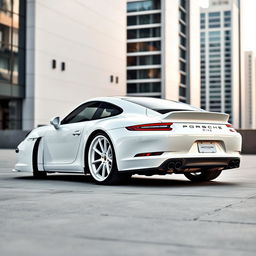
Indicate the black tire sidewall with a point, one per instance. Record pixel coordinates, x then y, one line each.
206 175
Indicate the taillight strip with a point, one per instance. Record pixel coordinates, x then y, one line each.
231 129
151 127
149 154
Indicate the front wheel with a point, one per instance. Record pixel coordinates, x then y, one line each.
205 175
102 161
39 174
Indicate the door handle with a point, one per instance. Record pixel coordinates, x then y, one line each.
76 133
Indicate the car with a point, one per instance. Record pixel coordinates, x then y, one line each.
113 138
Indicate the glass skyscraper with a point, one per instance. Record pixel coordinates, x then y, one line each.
144 47
220 58
158 48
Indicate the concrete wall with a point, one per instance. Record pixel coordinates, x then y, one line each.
90 37
171 42
249 141
249 92
194 49
11 138
170 45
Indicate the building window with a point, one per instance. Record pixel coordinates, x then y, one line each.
227 13
144 5
183 41
182 28
53 64
143 33
153 73
183 66
214 25
144 46
144 87
214 14
144 19
63 66
183 16
143 60
182 91
215 20
214 34
182 53
214 45
183 79
10 114
132 20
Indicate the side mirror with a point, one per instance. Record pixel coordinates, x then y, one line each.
56 122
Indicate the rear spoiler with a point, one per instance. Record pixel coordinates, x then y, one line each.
196 116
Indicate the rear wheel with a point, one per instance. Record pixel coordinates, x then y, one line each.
102 161
205 175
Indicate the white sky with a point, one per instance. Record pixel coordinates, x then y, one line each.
249 23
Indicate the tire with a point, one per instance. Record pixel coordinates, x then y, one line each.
36 173
205 175
101 161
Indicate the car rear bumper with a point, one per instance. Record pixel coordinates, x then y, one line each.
184 165
128 144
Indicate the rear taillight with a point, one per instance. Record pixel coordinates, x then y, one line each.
230 128
151 127
149 154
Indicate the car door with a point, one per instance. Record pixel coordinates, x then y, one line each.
61 145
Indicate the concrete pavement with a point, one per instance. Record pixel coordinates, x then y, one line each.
69 215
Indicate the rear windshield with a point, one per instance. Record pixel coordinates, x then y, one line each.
162 106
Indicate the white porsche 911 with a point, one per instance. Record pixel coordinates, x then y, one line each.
113 138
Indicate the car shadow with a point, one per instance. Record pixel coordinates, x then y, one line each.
136 181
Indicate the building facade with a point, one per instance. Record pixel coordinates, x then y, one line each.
72 51
12 63
160 61
249 92
221 74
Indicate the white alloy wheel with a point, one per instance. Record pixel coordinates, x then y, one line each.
100 158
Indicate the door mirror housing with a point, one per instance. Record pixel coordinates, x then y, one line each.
56 122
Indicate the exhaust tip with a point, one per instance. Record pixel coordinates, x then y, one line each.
231 164
171 165
237 163
234 164
178 164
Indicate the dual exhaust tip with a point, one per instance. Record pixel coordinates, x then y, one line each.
234 164
174 165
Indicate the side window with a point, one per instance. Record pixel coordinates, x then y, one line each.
83 113
107 110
